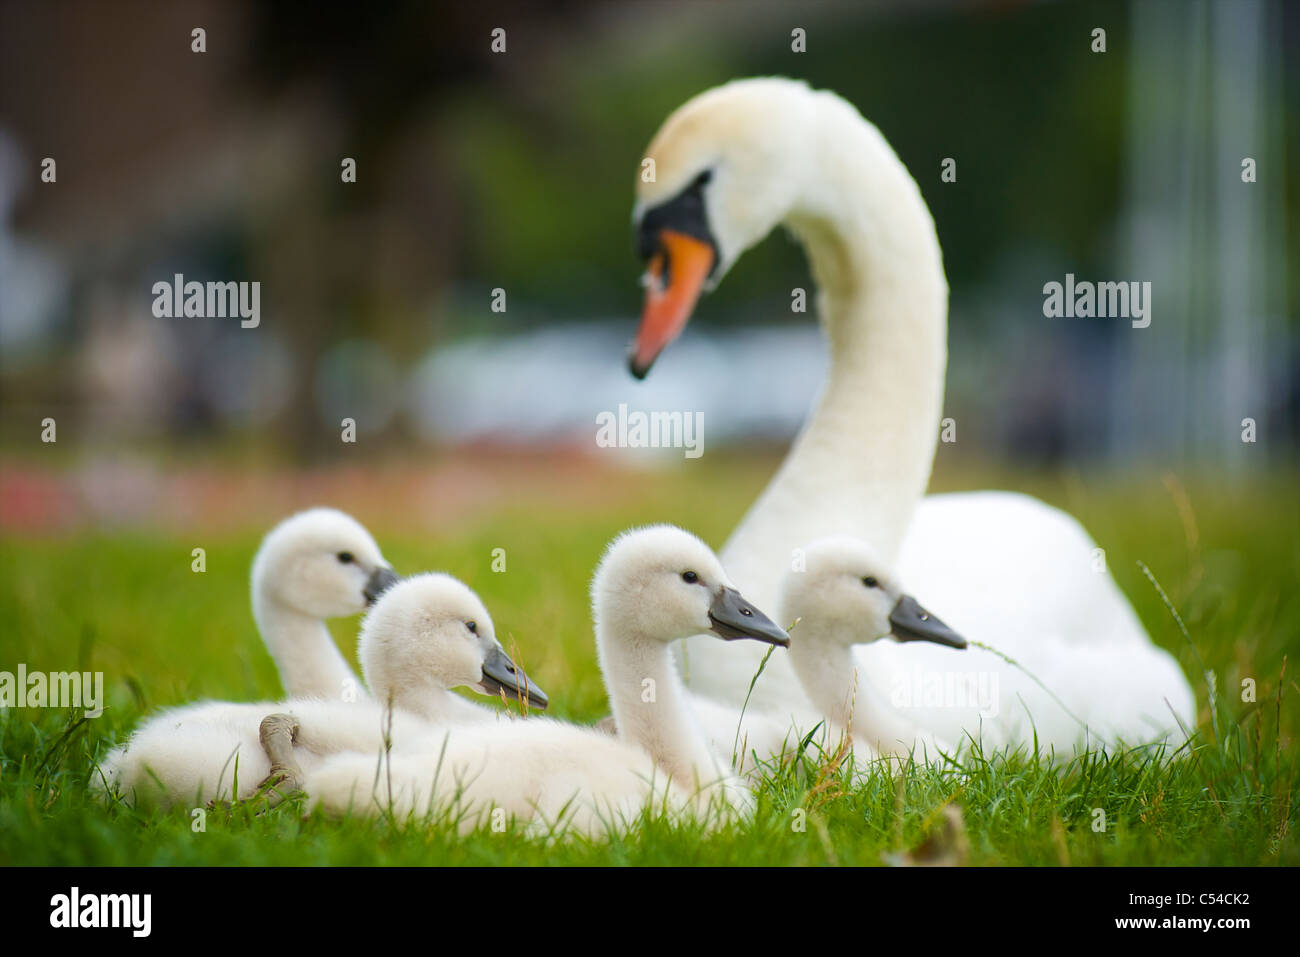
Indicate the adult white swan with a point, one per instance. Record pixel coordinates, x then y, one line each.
730 165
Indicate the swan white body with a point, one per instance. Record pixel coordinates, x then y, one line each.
748 737
556 775
1023 577
775 152
547 774
211 750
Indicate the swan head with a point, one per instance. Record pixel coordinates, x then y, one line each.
664 583
431 632
844 593
322 563
730 164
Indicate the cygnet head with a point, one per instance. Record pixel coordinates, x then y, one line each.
431 632
321 563
662 583
846 595
730 164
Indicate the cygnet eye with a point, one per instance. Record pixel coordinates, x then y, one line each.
690 577
472 626
870 581
346 557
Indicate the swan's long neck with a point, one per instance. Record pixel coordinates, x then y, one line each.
650 708
827 671
863 458
309 662
431 702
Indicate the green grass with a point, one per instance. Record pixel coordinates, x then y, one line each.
128 605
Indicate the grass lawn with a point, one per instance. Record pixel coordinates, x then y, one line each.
126 603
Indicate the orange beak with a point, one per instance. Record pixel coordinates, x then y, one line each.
675 277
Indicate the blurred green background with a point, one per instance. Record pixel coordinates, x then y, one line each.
480 171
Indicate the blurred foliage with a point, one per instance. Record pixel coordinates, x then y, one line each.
480 171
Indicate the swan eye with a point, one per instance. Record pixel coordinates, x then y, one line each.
870 581
690 577
346 557
472 626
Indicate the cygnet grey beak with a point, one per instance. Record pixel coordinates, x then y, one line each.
502 675
732 617
380 580
911 622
